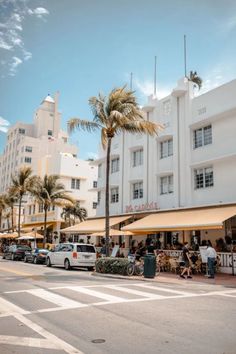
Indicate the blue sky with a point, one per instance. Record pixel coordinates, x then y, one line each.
82 47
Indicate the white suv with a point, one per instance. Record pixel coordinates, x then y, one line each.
72 255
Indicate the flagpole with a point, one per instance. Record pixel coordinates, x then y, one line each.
155 77
131 81
185 57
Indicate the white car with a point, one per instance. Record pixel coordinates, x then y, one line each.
72 255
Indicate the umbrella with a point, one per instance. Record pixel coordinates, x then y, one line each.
30 236
12 235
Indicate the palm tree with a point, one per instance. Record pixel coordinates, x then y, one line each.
119 112
2 208
21 184
49 192
193 76
66 213
10 200
78 212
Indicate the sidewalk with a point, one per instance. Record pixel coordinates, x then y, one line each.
222 279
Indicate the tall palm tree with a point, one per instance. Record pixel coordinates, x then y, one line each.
193 76
22 183
2 208
10 200
119 112
50 192
66 213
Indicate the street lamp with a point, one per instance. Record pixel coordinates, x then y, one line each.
35 234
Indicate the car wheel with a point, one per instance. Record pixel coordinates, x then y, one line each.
48 262
25 259
90 269
35 260
67 264
12 257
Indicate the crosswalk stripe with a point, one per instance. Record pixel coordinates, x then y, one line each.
28 342
55 298
171 291
7 308
95 293
135 292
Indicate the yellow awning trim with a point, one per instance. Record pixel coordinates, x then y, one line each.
194 219
93 225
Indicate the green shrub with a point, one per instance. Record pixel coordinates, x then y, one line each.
112 265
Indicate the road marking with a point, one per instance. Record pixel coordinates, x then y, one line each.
171 291
57 342
134 292
95 293
28 342
7 308
55 299
16 272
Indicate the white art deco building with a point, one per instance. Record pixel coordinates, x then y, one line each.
190 166
44 147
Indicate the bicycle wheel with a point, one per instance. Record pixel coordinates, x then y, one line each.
139 269
130 269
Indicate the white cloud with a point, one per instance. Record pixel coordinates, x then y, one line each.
39 12
146 88
14 64
11 31
4 125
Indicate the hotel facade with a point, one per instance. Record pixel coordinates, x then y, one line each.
44 147
189 167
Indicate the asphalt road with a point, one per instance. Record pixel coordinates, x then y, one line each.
53 311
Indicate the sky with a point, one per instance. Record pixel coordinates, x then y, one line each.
83 47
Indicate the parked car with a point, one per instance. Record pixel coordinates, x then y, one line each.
16 252
37 255
72 255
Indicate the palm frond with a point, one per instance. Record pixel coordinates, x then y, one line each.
86 125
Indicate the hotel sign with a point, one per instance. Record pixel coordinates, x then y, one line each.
141 207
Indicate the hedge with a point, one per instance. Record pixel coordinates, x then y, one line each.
112 265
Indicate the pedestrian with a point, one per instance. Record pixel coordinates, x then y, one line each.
187 262
151 249
211 258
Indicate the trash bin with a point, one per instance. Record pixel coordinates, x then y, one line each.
149 266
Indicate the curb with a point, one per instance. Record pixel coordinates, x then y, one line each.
123 277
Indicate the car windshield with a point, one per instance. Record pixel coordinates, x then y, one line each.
42 250
85 248
24 248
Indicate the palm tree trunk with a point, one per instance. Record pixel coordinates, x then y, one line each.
20 202
12 218
107 195
45 226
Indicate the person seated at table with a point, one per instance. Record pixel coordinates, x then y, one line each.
194 257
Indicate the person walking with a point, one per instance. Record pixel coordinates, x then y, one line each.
211 258
187 262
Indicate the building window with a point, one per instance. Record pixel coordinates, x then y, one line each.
166 184
53 207
137 190
21 131
28 159
166 148
30 210
40 208
49 132
75 183
137 157
28 149
100 170
166 107
95 184
34 209
202 137
95 205
115 195
115 165
99 197
203 178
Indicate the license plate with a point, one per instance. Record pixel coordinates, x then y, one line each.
87 256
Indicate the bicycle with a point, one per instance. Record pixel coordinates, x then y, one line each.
135 267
